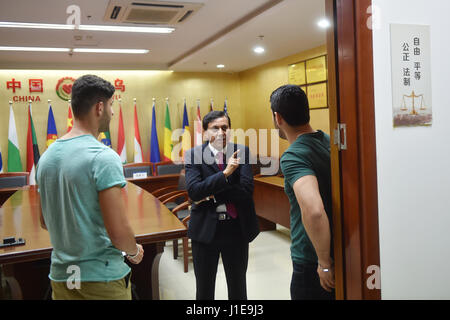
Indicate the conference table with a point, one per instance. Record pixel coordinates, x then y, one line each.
26 267
271 203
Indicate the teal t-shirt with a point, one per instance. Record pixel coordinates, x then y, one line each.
70 175
308 155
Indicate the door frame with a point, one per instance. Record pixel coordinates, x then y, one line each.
354 170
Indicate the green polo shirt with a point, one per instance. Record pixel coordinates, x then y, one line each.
308 155
70 174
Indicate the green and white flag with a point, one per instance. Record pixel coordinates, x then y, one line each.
14 162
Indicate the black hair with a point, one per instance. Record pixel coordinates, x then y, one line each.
87 91
213 115
291 102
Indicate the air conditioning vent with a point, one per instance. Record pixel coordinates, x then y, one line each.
150 12
115 12
158 5
186 15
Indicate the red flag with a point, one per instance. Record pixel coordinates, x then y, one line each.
69 119
198 139
121 147
138 156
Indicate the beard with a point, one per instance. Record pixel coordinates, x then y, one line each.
280 132
104 123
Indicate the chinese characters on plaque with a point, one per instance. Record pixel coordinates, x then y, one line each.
411 75
311 76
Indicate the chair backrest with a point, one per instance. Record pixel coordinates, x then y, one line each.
181 185
266 166
131 168
13 179
168 168
182 180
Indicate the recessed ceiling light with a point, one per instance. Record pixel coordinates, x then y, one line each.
220 66
86 27
259 50
324 23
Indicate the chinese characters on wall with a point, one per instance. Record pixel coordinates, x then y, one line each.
21 92
411 75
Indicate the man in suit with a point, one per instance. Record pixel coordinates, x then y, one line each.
223 220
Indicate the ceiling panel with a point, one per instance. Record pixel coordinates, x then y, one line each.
288 27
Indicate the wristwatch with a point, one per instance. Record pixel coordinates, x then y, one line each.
325 269
137 253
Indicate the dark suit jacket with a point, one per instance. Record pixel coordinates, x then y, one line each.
203 179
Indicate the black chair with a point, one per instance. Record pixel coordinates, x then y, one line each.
180 190
131 168
263 167
13 179
178 202
168 167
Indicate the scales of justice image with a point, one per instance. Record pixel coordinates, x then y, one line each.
414 111
414 98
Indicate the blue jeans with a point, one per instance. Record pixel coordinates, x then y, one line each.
305 284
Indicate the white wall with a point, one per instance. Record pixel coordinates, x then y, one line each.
414 164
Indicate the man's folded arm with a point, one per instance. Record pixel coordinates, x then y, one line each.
199 188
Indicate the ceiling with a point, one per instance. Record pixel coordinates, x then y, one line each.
220 32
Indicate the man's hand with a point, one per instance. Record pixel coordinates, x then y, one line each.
233 164
140 255
326 275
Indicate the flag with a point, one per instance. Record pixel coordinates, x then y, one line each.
211 105
14 162
198 139
168 146
186 137
69 119
1 161
138 158
225 107
52 134
32 149
121 145
105 138
154 145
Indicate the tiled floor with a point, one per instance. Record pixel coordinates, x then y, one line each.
268 276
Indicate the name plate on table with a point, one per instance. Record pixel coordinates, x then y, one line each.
139 175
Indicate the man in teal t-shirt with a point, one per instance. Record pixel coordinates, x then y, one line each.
307 174
79 182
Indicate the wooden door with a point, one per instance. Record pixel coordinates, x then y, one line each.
354 174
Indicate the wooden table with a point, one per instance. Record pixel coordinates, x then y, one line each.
5 193
271 203
154 183
27 266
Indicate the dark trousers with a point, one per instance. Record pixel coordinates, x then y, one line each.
305 284
228 243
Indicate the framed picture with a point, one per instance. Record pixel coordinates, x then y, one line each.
304 88
318 95
297 73
316 70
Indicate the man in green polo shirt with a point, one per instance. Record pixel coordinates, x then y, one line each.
82 206
307 174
